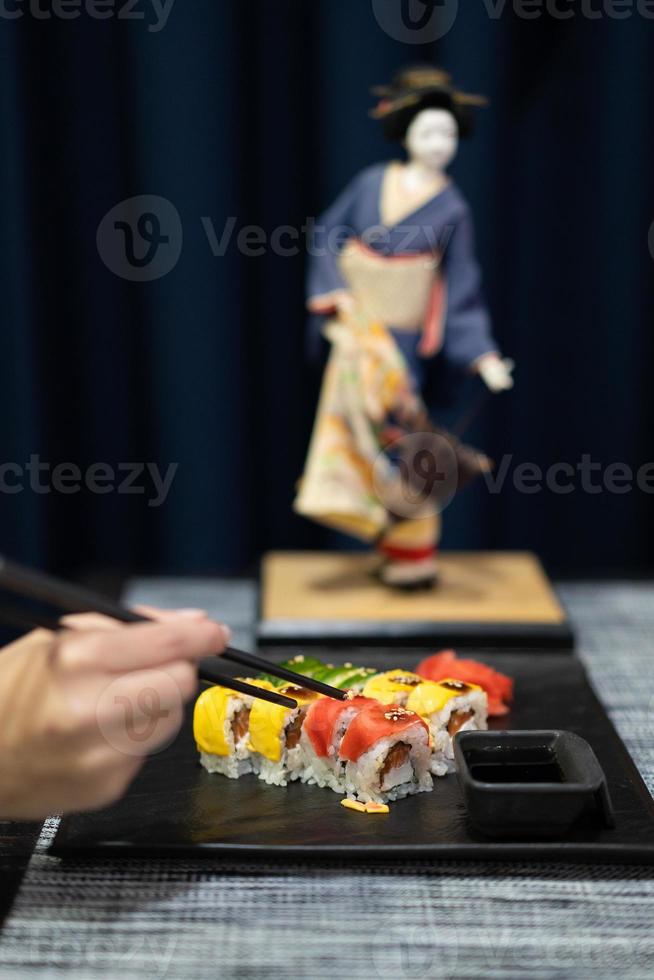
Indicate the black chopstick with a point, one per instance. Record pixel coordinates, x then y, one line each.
258 663
207 673
30 584
28 620
74 599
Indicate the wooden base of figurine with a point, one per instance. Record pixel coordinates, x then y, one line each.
481 599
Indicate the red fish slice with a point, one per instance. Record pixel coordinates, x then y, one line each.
498 687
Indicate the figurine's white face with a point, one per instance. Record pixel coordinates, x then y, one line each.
432 139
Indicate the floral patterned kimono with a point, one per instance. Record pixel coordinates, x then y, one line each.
416 286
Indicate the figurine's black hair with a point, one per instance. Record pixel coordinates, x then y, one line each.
415 89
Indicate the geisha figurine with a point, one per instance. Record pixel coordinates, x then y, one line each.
394 273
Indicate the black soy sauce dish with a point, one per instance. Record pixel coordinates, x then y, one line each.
530 783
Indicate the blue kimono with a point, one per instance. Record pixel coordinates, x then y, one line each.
416 291
440 227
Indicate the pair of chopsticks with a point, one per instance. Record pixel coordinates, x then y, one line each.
31 584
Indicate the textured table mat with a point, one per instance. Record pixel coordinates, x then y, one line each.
180 919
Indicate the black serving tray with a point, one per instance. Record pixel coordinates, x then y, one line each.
175 807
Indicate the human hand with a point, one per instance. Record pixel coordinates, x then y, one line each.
345 303
82 709
92 620
495 372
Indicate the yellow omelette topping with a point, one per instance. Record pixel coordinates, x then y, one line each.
386 687
377 808
210 715
364 807
353 805
432 696
267 722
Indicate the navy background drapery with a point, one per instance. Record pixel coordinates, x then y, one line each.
258 111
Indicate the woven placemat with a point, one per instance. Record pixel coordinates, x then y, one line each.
179 918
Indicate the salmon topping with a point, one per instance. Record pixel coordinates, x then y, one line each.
294 730
240 724
397 756
458 720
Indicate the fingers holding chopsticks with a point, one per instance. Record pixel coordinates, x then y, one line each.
142 645
92 620
82 709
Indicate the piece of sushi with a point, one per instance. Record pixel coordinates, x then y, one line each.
346 677
448 706
498 687
221 723
392 686
274 736
325 725
387 753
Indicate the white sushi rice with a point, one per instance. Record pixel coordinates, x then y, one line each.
327 772
226 765
442 742
238 762
362 778
269 771
289 766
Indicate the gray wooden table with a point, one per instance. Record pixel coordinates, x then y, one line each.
179 919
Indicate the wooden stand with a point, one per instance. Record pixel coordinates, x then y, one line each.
482 599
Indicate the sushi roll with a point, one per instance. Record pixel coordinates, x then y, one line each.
448 707
386 750
392 687
344 676
325 724
274 736
221 722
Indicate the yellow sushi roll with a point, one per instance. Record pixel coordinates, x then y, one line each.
448 706
209 717
221 729
269 722
432 696
392 687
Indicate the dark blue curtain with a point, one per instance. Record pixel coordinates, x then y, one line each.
257 112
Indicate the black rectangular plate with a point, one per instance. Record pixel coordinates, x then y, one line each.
175 807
